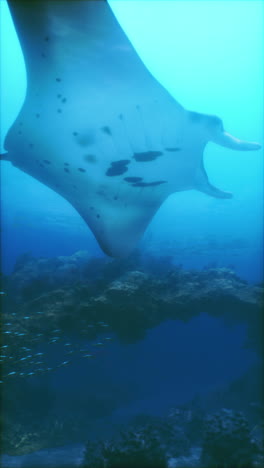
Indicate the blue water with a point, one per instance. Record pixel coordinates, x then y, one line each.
218 69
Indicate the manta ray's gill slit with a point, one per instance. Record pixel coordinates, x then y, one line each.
146 138
125 129
149 184
108 131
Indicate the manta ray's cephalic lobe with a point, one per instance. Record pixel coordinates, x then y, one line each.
97 127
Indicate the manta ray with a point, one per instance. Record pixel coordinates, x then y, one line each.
98 128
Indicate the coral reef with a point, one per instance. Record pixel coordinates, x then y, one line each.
130 295
147 446
227 440
66 301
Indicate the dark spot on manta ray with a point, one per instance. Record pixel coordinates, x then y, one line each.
121 116
66 164
75 133
46 161
64 100
149 184
43 55
59 111
91 207
106 130
173 149
98 216
31 145
90 158
37 116
66 169
115 198
118 167
147 156
85 139
132 179
58 79
81 169
46 38
58 96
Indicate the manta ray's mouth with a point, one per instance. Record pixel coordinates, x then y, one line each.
98 128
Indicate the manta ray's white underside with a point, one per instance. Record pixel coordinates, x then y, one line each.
98 128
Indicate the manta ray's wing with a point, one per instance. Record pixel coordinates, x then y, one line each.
97 127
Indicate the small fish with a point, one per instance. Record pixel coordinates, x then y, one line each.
21 334
4 346
7 332
2 293
30 373
26 318
88 355
64 363
12 373
8 324
39 354
98 344
23 359
67 344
